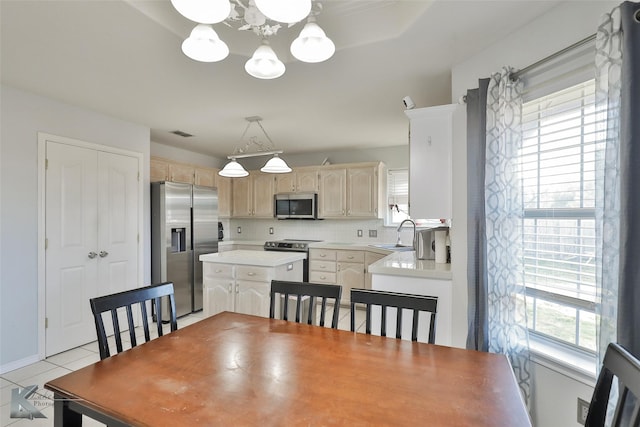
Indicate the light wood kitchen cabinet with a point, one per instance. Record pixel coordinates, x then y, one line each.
158 170
243 288
341 267
225 291
179 172
362 192
332 195
205 177
430 167
300 180
352 191
253 196
224 196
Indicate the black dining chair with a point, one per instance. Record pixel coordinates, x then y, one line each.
621 364
303 291
126 300
400 301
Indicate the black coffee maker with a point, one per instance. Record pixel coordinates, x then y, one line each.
220 231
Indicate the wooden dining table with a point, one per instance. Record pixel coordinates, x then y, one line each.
239 370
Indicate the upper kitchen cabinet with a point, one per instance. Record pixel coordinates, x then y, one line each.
205 177
224 196
158 170
253 196
300 180
351 191
430 170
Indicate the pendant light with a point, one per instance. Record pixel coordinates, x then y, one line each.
287 11
233 169
312 45
276 165
203 11
204 45
264 64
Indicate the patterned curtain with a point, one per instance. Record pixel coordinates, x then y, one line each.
608 84
504 227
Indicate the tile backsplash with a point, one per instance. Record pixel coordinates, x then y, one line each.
327 230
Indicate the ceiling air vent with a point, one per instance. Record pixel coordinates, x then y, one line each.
182 134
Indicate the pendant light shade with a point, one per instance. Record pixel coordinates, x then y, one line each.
312 45
276 165
204 45
233 169
287 11
203 11
264 64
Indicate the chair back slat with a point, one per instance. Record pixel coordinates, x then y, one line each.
109 304
618 363
286 289
417 303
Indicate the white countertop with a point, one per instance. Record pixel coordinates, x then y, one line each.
248 257
406 264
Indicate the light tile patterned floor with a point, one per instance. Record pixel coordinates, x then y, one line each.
55 366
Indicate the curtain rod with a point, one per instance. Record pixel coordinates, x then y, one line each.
516 75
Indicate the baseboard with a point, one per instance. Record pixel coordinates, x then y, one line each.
17 364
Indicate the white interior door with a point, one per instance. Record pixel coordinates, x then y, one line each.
91 223
71 254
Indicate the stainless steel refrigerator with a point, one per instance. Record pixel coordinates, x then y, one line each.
184 225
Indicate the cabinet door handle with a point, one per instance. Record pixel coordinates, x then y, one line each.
323 255
103 254
230 287
92 255
237 289
323 266
251 273
350 257
323 277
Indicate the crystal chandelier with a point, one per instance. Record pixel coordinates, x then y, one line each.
233 169
264 18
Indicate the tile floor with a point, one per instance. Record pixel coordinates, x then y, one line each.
60 364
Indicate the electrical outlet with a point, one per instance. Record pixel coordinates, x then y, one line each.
270 230
239 230
373 233
359 233
583 410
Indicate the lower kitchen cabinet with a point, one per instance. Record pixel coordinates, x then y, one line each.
243 288
341 267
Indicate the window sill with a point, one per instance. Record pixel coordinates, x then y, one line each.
571 363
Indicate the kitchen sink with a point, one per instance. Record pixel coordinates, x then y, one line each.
392 247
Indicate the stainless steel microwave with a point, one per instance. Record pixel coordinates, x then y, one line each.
296 206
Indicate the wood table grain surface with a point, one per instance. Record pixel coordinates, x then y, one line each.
239 370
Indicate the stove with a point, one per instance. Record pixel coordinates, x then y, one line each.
293 245
289 245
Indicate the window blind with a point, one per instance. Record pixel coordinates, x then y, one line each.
397 195
558 173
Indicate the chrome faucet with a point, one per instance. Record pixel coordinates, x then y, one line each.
399 243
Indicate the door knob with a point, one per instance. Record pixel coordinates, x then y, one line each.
103 254
92 255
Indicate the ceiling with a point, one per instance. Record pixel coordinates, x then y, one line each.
123 58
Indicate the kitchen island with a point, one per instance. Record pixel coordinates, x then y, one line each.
403 272
240 280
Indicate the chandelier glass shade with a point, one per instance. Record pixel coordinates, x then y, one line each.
287 11
204 12
312 45
276 165
204 45
262 17
264 64
233 169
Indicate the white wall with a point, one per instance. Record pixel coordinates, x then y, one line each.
555 395
179 155
23 115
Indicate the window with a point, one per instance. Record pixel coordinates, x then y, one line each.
397 196
558 166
